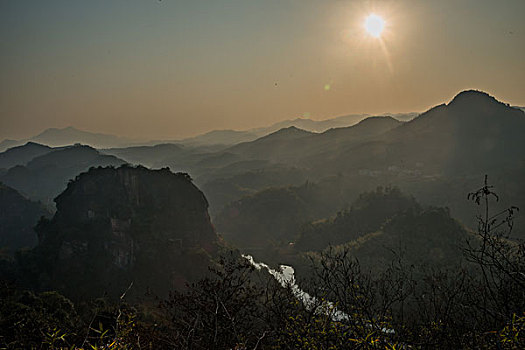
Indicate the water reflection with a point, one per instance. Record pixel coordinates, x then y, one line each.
286 277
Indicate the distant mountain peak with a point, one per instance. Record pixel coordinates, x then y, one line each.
67 128
289 131
374 125
292 129
31 143
378 119
469 97
28 145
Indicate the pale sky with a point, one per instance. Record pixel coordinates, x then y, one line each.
169 69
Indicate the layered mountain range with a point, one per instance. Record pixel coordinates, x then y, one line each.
57 137
438 156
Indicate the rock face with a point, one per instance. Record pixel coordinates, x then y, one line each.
117 226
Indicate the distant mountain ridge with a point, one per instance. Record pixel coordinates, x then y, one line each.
232 137
45 176
293 145
56 137
21 155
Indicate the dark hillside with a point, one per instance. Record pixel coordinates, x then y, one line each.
18 216
367 214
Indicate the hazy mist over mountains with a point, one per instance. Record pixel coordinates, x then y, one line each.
471 135
262 175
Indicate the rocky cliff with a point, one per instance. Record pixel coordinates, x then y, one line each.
114 227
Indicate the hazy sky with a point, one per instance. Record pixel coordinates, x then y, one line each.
166 69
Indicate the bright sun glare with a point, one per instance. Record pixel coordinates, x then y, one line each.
374 25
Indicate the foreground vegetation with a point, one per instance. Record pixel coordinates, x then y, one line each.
239 307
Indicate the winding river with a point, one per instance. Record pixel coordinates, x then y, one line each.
286 277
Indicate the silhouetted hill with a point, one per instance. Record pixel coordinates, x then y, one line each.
474 133
46 176
21 155
421 237
18 216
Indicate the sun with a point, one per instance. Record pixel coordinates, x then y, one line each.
374 25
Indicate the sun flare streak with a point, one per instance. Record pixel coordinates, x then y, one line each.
387 55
